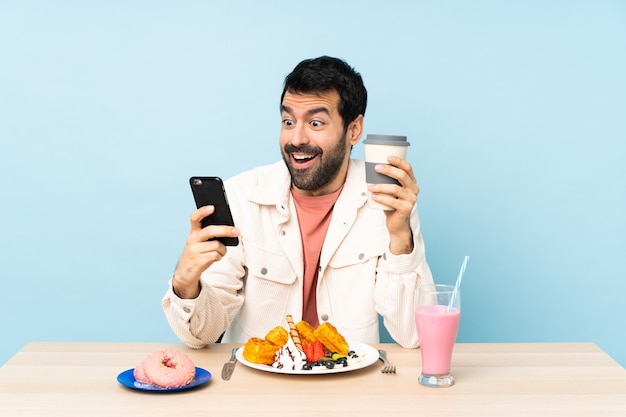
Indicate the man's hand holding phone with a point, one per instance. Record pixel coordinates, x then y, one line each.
212 229
200 252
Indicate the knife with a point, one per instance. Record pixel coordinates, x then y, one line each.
229 367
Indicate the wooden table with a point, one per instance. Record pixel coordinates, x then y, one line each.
79 379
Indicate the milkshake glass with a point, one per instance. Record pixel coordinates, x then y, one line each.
437 325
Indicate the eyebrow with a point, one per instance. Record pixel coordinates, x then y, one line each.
309 113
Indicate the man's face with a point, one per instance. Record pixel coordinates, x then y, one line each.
313 143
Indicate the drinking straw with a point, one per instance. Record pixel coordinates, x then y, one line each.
458 283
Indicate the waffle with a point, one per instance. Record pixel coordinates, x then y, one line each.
278 336
305 330
331 339
258 350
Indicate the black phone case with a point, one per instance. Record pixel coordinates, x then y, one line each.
210 191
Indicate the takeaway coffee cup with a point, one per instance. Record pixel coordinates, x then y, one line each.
377 149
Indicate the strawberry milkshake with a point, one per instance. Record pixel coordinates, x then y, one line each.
437 326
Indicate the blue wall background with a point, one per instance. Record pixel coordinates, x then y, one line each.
515 112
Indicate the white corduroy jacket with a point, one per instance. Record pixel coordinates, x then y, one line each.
251 289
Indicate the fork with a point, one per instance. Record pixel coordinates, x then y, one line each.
387 367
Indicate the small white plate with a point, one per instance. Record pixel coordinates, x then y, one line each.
367 353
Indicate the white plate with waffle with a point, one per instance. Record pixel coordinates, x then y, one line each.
367 356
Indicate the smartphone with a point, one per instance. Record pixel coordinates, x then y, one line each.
210 191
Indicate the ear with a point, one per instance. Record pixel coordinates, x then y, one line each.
355 130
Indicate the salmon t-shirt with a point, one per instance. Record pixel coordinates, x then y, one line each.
314 214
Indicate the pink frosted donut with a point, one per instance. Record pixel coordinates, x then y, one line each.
169 369
140 375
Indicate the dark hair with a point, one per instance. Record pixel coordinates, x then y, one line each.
324 74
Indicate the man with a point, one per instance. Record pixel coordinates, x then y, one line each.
309 246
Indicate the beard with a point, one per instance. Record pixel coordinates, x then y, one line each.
327 169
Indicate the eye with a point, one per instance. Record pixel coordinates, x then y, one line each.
316 123
287 122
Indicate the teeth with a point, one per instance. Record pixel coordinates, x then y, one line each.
302 157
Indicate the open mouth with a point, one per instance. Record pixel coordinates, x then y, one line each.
303 160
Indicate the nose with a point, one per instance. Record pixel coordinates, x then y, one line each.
298 134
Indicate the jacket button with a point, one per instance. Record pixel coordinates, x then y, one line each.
263 271
324 317
187 310
361 256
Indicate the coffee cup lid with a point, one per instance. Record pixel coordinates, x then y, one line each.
386 140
